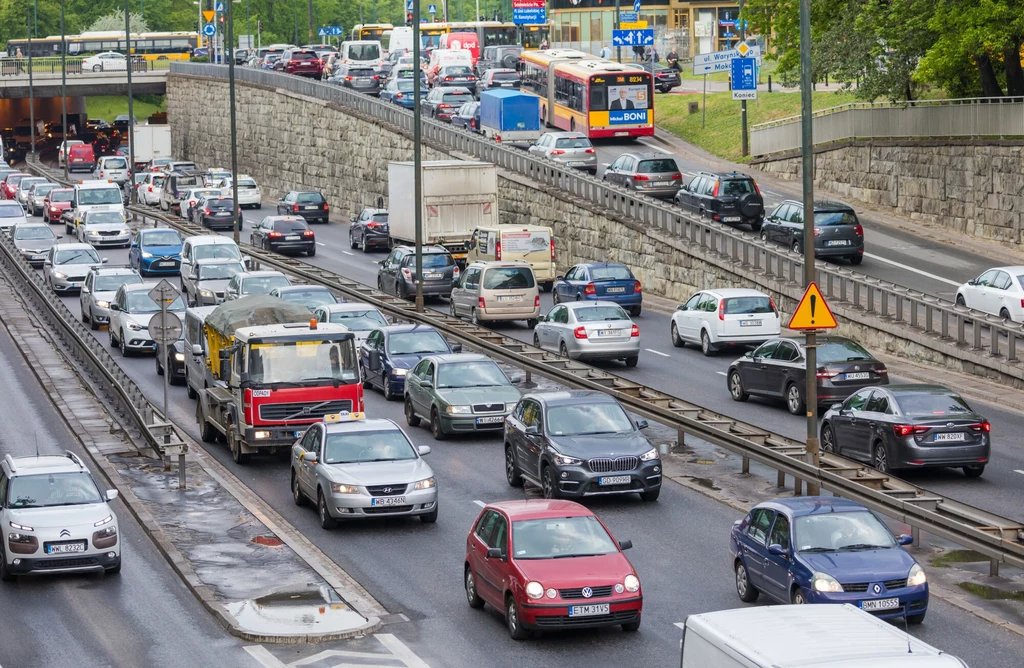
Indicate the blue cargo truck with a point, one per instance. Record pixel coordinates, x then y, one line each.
510 116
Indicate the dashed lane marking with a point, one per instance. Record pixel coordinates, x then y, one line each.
479 502
657 353
656 148
721 373
919 272
348 252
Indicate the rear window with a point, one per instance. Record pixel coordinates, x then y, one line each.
600 314
610 274
842 351
310 198
505 76
299 55
363 52
360 72
246 184
735 305
457 70
287 226
115 163
431 260
660 166
931 403
737 187
185 182
576 142
379 218
835 218
456 98
406 86
158 181
223 203
508 278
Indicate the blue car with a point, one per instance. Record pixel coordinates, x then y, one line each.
826 550
601 281
400 92
389 353
155 252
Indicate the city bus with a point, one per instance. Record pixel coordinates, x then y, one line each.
590 95
150 45
370 31
489 33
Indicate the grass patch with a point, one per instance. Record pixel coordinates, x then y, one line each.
109 107
957 557
721 136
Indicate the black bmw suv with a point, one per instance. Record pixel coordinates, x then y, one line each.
727 197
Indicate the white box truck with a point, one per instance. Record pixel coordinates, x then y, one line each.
151 141
808 636
458 197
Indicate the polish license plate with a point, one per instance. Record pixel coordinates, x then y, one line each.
880 604
490 419
731 219
589 610
750 323
611 290
362 81
575 163
609 332
165 264
506 85
433 275
837 242
858 376
75 285
387 501
65 548
955 436
311 208
297 434
510 298
614 480
292 237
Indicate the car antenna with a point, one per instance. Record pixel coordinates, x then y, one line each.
37 445
906 628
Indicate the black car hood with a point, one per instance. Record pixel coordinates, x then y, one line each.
602 445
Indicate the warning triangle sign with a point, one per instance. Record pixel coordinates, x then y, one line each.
812 312
208 14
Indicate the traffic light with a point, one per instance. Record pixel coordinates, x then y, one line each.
259 26
408 19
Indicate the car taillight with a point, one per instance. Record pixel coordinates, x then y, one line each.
481 303
348 78
274 235
589 150
295 207
825 374
206 211
714 193
376 78
858 230
637 287
455 272
641 177
497 250
817 231
536 301
444 106
149 188
908 429
407 273
981 426
677 176
472 78
589 289
398 95
308 233
558 151
373 226
635 331
553 253
580 332
775 310
721 310
326 206
447 78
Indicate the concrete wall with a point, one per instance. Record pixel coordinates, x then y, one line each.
973 188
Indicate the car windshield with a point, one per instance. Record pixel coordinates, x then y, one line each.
368 446
359 320
33 232
161 238
841 351
928 403
408 343
406 86
11 211
225 251
103 217
735 305
52 489
26 184
59 196
263 284
582 420
363 51
835 218
470 374
310 198
558 538
659 166
456 98
303 362
610 274
508 278
112 282
576 142
215 272
115 163
139 301
76 256
290 226
599 313
93 196
834 532
360 72
310 298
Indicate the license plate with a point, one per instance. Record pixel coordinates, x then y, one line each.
731 219
362 81
65 548
387 501
38 257
292 237
510 298
74 285
880 604
858 376
506 85
165 264
955 436
750 323
837 242
433 275
297 434
492 419
611 290
589 610
308 208
609 332
614 480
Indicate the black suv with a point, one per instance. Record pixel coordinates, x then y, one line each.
837 231
727 197
369 229
494 57
397 273
310 205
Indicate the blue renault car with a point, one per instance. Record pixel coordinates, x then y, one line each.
389 353
601 281
155 252
826 550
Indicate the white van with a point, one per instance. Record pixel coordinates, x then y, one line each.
401 39
364 52
531 243
444 57
93 196
809 636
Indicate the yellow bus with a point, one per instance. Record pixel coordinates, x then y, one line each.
370 31
150 45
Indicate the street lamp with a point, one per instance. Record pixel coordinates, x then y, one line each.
64 90
131 107
31 93
417 166
236 212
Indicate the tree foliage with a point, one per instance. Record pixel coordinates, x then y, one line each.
115 21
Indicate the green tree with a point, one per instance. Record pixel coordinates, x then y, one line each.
115 21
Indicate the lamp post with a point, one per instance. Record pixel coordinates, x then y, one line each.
131 107
417 158
236 212
31 93
64 90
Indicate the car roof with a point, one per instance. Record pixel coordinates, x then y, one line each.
305 192
32 223
135 287
373 210
1014 269
349 306
454 358
374 424
917 388
122 270
570 397
824 205
278 219
35 465
576 306
812 505
398 329
567 135
604 264
725 293
457 90
534 509
426 249
203 261
71 246
504 70
260 274
499 264
823 339
651 156
159 229
300 288
210 239
726 175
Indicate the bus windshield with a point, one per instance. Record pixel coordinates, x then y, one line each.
620 93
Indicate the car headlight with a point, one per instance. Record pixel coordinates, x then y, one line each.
106 520
58 274
146 254
917 576
459 410
102 304
338 488
399 372
429 483
21 527
206 293
134 327
534 589
825 582
179 357
510 407
562 460
631 583
649 456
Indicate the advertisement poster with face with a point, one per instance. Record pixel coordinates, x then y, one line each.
627 104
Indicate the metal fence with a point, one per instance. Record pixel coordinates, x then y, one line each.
982 341
52 65
969 118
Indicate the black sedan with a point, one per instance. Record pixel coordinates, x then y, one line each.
442 102
908 427
289 234
666 78
577 444
214 213
173 359
468 117
369 230
310 205
777 369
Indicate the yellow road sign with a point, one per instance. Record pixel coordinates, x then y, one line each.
208 14
635 25
812 312
743 49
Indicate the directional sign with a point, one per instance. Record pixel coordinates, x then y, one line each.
208 15
337 30
724 56
636 25
710 68
636 6
529 15
323 32
632 37
219 7
627 17
210 29
744 79
431 9
812 312
165 327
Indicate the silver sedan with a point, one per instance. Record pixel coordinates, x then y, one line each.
572 149
589 331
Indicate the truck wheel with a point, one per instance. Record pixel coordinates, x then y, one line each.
241 458
206 430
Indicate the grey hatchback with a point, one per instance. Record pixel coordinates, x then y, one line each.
837 230
652 174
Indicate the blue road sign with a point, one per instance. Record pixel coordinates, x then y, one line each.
408 5
636 6
431 9
323 32
219 7
628 17
337 30
744 78
210 29
632 37
529 15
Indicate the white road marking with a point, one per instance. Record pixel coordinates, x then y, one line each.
773 193
657 353
320 243
479 502
348 252
656 148
916 271
399 649
721 373
1018 471
263 655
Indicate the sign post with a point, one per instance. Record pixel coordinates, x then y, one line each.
165 328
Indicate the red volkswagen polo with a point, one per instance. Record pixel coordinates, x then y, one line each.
550 565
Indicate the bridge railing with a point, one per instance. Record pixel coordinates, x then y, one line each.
52 65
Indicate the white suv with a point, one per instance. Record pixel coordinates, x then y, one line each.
54 518
715 319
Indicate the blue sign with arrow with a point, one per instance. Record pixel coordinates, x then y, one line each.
632 37
636 6
408 5
209 29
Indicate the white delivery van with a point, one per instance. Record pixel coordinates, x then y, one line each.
534 244
401 39
361 52
444 57
808 636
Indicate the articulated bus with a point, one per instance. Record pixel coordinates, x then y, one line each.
370 31
150 45
587 94
489 33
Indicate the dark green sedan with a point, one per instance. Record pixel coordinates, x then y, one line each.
459 393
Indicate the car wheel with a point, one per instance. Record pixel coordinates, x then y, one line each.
124 346
764 235
159 367
311 252
960 301
746 591
677 341
351 241
632 361
547 483
92 322
562 350
651 495
435 426
235 444
297 496
974 471
515 629
554 297
472 597
475 318
536 341
797 597
915 619
828 439
451 308
635 310
856 259
512 473
386 389
1004 314
188 388
326 521
706 346
736 388
795 399
97 68
410 414
206 430
880 459
797 248
362 245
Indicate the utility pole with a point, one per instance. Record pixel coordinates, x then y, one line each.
417 158
131 107
236 211
64 93
31 94
743 103
309 6
618 26
807 154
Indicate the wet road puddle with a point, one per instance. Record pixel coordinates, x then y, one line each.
306 611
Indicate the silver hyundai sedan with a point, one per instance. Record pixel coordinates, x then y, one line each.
589 331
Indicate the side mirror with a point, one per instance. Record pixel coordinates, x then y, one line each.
625 544
532 429
104 260
642 424
197 350
373 360
542 318
515 379
777 550
606 165
381 262
495 553
456 347
111 494
60 236
309 457
905 539
352 219
423 449
973 281
427 383
47 263
836 407
845 412
243 378
115 307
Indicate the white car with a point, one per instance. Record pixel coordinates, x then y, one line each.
215 176
151 188
192 197
104 228
359 318
62 152
11 214
55 518
67 265
130 313
998 291
249 194
113 168
715 319
108 61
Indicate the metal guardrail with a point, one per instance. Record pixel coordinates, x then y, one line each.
967 117
52 65
983 341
